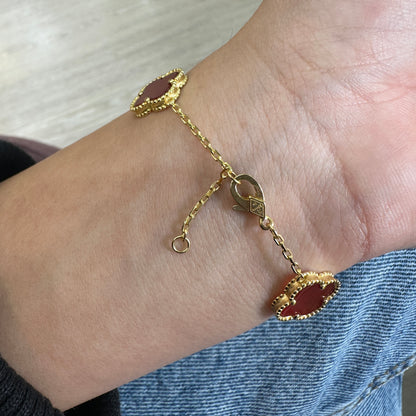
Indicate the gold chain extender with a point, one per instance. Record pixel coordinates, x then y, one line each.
266 222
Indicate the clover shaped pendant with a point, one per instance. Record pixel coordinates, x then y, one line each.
305 296
160 93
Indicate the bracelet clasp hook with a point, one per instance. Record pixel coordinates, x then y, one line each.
252 203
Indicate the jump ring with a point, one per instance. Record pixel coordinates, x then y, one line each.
186 239
266 223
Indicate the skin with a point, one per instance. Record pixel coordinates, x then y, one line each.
320 112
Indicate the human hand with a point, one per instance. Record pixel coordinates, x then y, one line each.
312 101
326 115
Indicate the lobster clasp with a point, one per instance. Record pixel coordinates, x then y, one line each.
252 203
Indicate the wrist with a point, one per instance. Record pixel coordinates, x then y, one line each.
260 126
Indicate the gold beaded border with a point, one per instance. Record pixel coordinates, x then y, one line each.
163 101
296 285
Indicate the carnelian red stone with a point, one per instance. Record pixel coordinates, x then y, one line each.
309 299
156 89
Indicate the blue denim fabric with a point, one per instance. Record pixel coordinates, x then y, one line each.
385 400
347 360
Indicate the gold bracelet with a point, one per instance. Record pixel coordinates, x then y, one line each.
308 292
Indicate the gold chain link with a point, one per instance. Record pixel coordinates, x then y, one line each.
213 188
185 227
267 223
205 142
